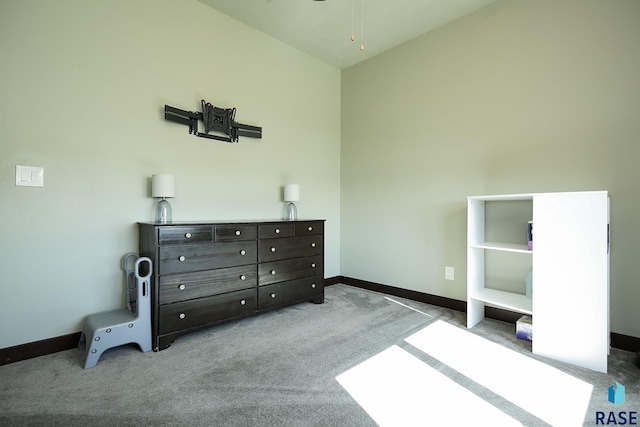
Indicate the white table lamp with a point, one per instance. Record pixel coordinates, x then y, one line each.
291 194
163 186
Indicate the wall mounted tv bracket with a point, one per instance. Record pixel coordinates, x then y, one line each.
221 120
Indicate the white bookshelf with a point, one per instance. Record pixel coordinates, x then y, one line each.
569 262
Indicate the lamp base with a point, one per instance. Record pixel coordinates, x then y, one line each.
290 212
163 212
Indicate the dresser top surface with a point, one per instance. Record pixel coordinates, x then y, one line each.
235 221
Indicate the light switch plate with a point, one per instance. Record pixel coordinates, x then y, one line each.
29 176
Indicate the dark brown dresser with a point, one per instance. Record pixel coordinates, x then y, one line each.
205 273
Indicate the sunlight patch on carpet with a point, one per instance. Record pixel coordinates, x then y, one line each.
410 308
546 392
397 389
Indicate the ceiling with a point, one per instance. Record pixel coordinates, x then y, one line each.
323 28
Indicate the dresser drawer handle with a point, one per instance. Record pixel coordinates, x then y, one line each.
273 272
182 316
182 287
243 277
310 228
188 235
238 232
243 252
277 231
313 245
181 258
313 265
243 302
273 249
273 295
313 285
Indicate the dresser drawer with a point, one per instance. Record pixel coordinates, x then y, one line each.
290 247
188 258
186 286
286 292
181 235
230 233
289 269
306 228
190 314
268 231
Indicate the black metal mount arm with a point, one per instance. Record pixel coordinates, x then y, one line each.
215 119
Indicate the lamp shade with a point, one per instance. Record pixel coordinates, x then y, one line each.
291 193
163 185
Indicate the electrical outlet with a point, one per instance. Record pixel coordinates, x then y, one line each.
449 273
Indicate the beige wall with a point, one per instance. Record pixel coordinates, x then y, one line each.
83 85
517 97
